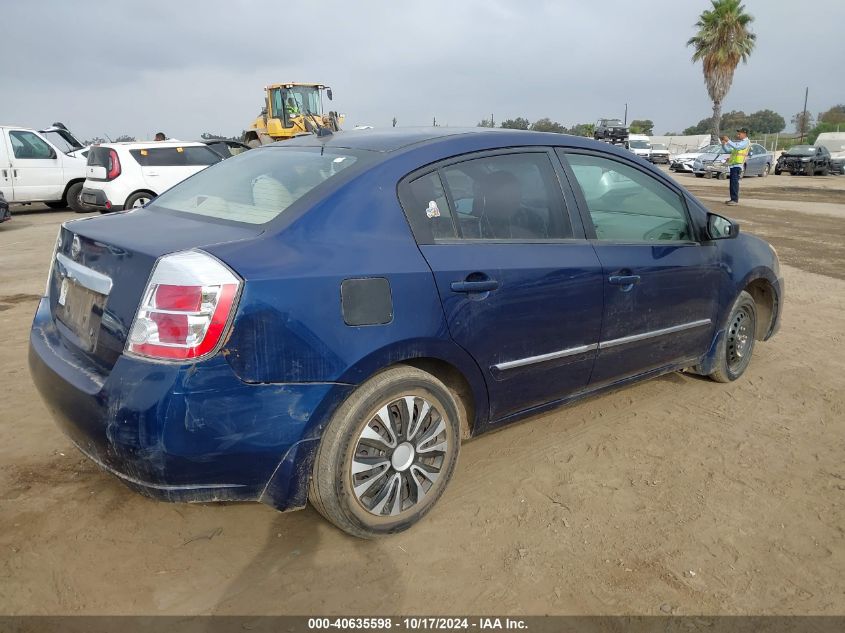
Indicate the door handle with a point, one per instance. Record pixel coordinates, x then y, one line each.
624 280
5 173
15 173
485 285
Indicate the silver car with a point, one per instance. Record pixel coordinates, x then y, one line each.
684 162
715 165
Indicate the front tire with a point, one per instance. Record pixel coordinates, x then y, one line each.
766 170
387 453
737 346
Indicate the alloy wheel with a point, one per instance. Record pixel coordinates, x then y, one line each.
399 455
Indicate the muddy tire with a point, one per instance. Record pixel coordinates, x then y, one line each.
737 345
387 454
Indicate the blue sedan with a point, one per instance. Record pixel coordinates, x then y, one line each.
327 319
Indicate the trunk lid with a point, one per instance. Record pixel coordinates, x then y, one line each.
102 266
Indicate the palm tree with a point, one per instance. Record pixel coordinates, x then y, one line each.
723 39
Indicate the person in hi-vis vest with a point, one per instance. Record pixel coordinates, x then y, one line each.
739 152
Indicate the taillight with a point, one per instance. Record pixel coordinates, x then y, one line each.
185 308
114 166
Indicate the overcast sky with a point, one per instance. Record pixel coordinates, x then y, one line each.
193 66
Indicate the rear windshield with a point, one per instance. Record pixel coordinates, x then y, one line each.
639 144
256 186
174 156
98 157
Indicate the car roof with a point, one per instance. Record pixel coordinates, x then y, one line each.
150 144
393 139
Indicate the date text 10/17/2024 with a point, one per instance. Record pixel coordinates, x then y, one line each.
417 623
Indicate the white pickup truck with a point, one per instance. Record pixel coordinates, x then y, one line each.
32 169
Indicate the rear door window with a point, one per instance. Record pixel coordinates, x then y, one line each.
507 197
513 197
175 156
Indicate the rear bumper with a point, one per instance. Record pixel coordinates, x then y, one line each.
97 199
183 433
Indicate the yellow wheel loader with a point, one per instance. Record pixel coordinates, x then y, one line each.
290 110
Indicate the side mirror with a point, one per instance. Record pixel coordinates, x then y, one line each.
719 228
329 94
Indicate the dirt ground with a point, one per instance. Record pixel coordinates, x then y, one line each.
676 495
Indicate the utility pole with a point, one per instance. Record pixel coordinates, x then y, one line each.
626 114
434 122
804 116
492 124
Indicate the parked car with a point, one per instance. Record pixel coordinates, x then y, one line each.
804 159
640 145
612 130
835 144
32 169
5 214
226 147
129 175
715 165
684 162
320 320
659 154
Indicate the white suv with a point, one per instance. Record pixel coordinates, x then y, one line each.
33 169
129 175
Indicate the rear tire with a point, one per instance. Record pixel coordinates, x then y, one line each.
74 198
137 200
777 171
369 475
737 345
766 170
699 175
825 171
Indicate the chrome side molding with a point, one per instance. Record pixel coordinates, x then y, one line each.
572 351
654 333
583 349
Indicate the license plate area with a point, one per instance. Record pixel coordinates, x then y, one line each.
81 310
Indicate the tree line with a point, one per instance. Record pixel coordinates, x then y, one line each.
638 126
770 122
